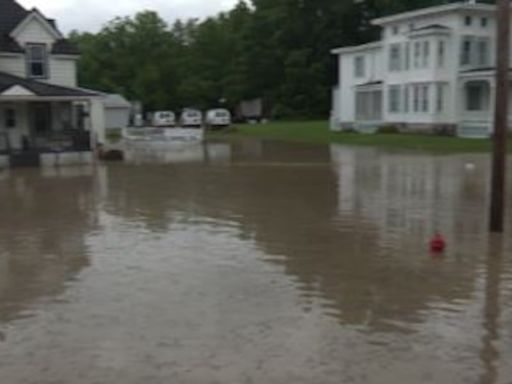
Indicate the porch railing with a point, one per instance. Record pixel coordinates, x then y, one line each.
62 141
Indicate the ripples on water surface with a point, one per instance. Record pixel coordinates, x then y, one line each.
254 263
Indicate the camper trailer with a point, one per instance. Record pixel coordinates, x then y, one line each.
191 118
163 119
218 118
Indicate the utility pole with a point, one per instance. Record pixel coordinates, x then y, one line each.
500 117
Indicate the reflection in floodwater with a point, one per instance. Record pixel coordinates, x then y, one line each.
44 217
254 262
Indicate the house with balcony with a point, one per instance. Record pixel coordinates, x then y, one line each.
44 116
433 70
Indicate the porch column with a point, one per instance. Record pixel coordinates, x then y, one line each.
97 122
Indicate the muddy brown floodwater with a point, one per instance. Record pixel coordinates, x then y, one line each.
254 262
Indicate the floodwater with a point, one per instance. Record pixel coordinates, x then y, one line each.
254 262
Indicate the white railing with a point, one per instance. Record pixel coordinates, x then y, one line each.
163 134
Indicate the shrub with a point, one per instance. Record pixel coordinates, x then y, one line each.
388 129
114 135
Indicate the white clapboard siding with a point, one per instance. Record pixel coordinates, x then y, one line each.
35 32
13 65
63 72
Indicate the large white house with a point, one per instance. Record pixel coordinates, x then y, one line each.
432 70
44 116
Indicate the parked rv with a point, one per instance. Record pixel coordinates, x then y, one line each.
191 118
163 119
218 118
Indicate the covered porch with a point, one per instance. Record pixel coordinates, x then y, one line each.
368 107
38 119
476 95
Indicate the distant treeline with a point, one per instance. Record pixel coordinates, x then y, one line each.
274 49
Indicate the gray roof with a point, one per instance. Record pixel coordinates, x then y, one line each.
41 89
11 14
114 100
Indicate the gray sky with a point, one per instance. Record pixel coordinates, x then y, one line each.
90 15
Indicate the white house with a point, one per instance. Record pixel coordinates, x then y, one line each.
432 70
44 116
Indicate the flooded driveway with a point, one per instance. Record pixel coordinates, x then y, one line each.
254 262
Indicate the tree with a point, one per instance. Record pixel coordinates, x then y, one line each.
274 49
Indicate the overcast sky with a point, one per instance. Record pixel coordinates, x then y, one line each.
90 15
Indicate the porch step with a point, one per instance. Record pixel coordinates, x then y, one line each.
366 127
25 159
474 130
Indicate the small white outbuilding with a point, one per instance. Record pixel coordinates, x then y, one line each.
117 111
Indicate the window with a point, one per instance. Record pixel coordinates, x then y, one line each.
406 99
37 61
468 20
440 98
416 98
421 100
395 30
407 56
475 51
484 22
10 118
395 57
411 27
394 99
426 54
483 52
441 54
369 105
359 66
477 96
465 58
425 98
417 54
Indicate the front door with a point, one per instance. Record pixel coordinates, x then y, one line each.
41 119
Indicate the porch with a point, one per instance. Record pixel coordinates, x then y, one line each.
40 121
476 104
368 107
30 129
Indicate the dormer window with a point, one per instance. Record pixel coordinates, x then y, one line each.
37 61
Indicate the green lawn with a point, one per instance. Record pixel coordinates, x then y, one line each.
317 132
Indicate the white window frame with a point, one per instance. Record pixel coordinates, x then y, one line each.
441 53
359 66
426 54
466 51
440 97
483 55
417 54
421 98
407 56
425 102
395 57
30 61
10 117
394 98
405 97
480 104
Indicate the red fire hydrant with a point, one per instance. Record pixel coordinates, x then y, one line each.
438 243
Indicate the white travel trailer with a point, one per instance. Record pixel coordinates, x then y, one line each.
191 118
218 118
163 119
